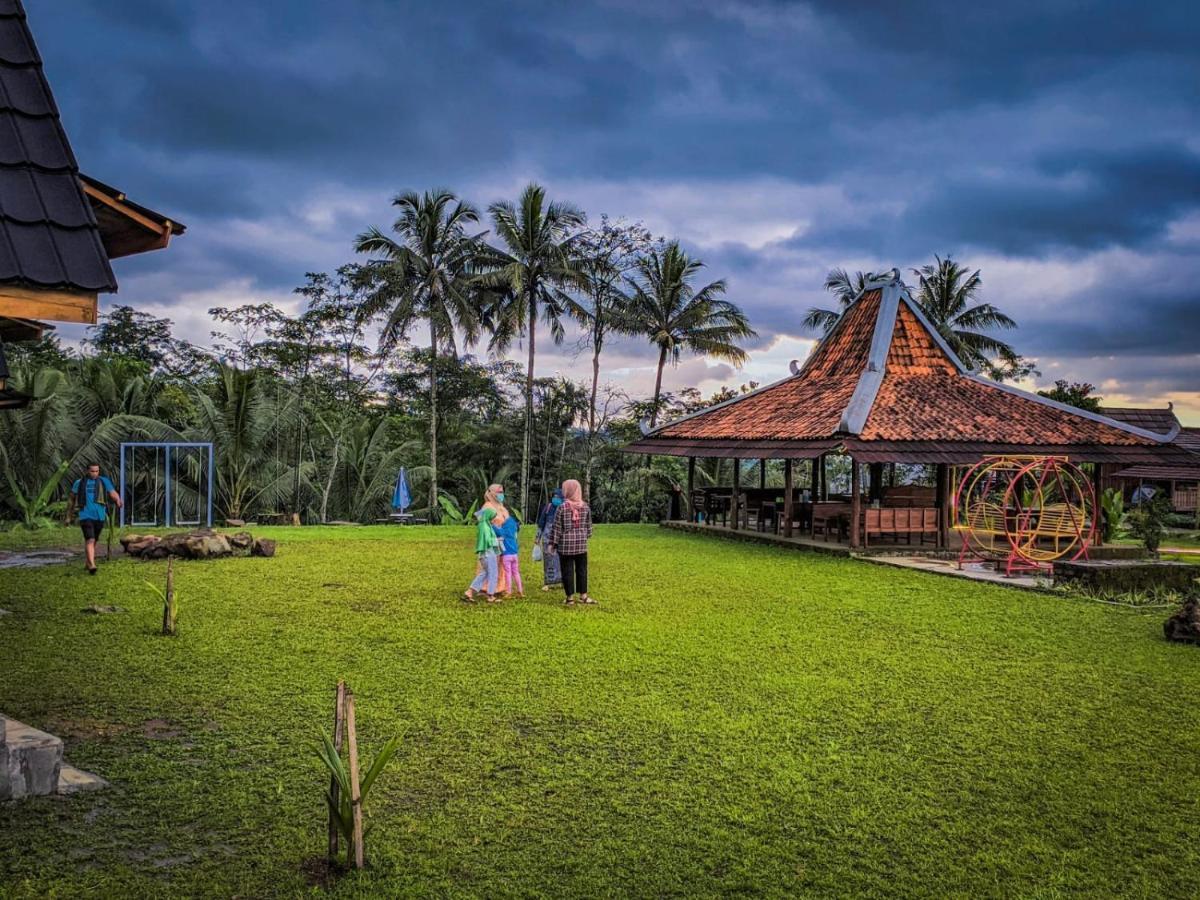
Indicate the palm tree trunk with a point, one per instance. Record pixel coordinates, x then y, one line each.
433 422
528 444
662 361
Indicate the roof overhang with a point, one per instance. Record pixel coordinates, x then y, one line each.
126 227
16 329
58 306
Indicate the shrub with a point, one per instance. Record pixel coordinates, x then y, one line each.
1147 520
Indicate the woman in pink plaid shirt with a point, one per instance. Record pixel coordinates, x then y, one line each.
569 539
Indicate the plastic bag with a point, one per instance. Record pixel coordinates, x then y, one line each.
537 552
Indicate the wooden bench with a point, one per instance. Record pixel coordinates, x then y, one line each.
908 521
1059 522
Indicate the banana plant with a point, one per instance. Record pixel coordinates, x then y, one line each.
37 511
452 514
1112 502
341 809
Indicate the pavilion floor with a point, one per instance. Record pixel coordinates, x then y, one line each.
936 561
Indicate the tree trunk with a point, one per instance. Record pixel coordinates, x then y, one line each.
591 448
528 443
662 361
433 420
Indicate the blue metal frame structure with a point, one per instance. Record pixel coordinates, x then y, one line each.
168 446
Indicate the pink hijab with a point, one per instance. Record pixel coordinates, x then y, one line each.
573 499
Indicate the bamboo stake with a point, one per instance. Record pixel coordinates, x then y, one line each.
169 601
355 795
339 724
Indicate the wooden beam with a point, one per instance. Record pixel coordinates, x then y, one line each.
876 485
129 212
737 490
787 498
762 474
942 478
855 503
691 489
1098 512
49 305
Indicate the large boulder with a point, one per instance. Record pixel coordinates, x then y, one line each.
263 547
1184 626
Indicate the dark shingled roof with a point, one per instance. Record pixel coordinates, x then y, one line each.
1160 420
48 234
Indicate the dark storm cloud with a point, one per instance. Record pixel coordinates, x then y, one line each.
1042 130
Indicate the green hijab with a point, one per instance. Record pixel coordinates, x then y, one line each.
485 537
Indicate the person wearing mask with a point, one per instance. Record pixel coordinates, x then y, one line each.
551 571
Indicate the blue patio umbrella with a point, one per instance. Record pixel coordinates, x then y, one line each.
401 496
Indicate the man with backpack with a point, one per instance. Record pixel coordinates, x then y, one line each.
90 496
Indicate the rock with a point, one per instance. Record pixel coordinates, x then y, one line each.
102 610
206 546
243 540
140 544
236 523
127 539
75 781
263 547
1184 626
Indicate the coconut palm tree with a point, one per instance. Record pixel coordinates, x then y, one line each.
676 316
529 274
425 272
843 287
947 295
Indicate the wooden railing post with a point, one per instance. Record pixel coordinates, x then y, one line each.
787 498
737 491
691 489
855 503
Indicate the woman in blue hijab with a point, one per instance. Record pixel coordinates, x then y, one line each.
551 573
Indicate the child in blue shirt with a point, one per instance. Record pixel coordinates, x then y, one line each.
510 555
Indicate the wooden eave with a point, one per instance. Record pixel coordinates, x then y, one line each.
127 228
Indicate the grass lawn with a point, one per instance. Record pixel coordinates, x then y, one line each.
731 719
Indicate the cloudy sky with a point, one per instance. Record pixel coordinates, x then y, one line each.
1054 144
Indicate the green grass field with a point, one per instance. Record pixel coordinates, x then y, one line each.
731 720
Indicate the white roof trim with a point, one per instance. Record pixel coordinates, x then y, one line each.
1076 411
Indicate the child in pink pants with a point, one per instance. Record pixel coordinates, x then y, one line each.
510 555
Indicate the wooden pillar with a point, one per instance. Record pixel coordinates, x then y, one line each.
855 503
737 490
942 476
762 474
1098 512
876 487
691 489
824 477
787 498
814 482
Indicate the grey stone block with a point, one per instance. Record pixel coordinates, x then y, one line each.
34 761
73 781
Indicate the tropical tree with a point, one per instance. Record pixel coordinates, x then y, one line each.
606 255
669 310
530 274
244 418
844 288
948 296
425 273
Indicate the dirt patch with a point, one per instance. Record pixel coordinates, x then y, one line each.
331 585
160 730
84 728
34 559
319 871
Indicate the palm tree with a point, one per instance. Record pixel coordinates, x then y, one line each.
426 273
839 283
675 316
529 274
947 297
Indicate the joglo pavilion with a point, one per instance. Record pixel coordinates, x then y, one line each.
883 389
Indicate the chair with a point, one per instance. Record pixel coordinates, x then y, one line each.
716 505
768 513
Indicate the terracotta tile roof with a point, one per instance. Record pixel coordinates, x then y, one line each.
901 389
48 234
